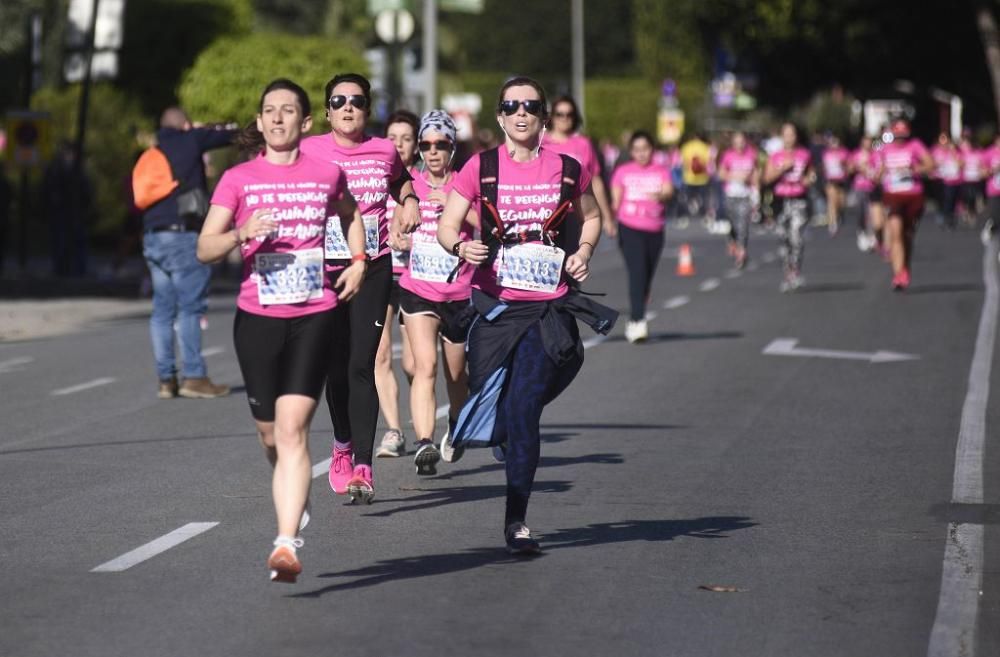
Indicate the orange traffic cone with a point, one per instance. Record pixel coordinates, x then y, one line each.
685 266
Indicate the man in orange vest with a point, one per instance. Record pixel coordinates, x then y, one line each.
169 242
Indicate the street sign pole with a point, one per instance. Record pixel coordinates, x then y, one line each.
577 20
430 55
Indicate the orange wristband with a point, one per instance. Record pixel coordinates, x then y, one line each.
361 257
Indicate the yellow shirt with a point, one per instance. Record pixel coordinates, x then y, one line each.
695 156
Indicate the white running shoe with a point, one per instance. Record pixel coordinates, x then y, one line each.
393 444
637 331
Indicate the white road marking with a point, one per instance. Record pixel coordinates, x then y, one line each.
212 351
594 341
14 364
676 302
322 467
96 383
709 284
954 630
733 273
155 547
786 347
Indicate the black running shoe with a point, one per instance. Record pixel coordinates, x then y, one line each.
426 458
520 543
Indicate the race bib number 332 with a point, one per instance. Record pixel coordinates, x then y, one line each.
292 277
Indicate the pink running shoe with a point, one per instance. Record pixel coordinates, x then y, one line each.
901 281
341 468
360 487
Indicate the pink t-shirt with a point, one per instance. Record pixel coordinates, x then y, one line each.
370 167
579 148
973 165
301 194
992 164
639 186
791 183
527 195
865 163
835 164
947 165
430 264
900 161
738 166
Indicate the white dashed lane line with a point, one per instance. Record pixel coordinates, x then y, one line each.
80 387
676 302
154 547
15 364
709 284
212 351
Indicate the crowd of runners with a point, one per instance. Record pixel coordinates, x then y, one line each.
345 234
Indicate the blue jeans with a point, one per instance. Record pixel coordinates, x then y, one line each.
180 292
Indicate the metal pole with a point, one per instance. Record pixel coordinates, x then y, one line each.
81 117
576 12
430 54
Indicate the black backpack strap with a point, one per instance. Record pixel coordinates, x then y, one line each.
491 226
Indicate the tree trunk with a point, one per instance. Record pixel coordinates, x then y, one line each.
991 46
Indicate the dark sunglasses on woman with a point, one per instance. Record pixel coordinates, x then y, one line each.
338 101
441 145
509 107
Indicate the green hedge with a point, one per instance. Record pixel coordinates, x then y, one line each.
226 80
613 105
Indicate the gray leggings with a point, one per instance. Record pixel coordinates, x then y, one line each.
738 210
791 224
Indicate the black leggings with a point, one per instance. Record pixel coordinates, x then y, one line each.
642 254
281 356
350 383
533 381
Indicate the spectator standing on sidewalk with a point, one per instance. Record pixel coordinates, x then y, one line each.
169 242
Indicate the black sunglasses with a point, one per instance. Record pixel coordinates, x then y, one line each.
564 115
441 145
509 107
338 101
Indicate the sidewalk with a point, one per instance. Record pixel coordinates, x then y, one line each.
35 304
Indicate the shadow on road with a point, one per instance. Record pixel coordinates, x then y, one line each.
671 337
944 288
545 462
809 288
434 497
137 441
429 565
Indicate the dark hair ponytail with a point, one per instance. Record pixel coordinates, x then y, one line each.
250 140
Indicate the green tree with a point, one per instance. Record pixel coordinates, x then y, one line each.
115 118
163 38
226 80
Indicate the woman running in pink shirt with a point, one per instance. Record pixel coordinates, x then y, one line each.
273 208
904 161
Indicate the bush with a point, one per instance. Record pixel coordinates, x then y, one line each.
113 121
226 80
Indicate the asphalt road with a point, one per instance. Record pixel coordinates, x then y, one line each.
809 492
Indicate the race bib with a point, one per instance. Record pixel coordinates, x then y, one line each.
335 244
371 235
400 259
949 170
292 277
737 189
900 181
531 267
430 262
